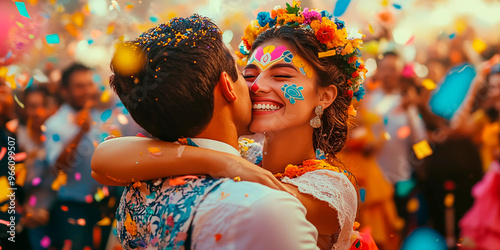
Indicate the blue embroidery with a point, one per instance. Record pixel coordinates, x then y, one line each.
292 92
162 213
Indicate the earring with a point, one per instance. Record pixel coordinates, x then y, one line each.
316 121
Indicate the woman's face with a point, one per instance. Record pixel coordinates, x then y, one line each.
282 88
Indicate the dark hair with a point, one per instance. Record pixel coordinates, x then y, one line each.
332 135
24 96
172 94
68 72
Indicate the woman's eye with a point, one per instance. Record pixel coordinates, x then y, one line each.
249 76
282 76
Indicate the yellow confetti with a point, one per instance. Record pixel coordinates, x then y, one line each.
78 18
12 81
429 84
105 96
18 102
460 26
3 72
99 195
104 222
387 136
449 200
60 180
370 28
20 174
384 2
111 28
122 119
422 149
412 205
154 150
479 45
4 185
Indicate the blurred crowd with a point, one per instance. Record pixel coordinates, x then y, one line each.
424 146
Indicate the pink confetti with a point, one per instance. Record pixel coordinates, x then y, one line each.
36 181
20 156
105 191
45 242
32 200
78 176
89 198
2 153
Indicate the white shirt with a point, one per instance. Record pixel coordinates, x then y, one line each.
246 215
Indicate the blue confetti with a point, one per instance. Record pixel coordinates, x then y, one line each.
341 7
21 7
153 19
29 83
362 194
90 42
52 38
397 6
8 55
424 238
106 115
55 137
404 188
452 35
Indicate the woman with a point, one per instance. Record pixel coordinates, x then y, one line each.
302 72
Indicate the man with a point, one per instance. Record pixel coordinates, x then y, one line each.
71 134
189 87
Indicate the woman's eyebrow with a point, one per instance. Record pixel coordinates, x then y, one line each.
283 65
251 66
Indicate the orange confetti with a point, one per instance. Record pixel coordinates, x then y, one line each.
246 195
81 222
223 196
217 237
104 222
449 200
404 132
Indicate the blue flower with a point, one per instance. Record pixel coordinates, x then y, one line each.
265 18
325 13
340 23
360 93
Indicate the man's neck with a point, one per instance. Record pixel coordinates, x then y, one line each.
223 130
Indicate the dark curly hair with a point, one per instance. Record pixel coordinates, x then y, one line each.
332 135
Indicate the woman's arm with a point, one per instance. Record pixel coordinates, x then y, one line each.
123 160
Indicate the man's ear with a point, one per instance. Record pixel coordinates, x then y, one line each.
327 95
226 86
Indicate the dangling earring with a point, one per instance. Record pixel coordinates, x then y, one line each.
316 121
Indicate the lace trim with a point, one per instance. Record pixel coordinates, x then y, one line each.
335 189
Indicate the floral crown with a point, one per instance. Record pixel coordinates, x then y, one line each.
330 33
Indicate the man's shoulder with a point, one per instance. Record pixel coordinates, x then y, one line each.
59 118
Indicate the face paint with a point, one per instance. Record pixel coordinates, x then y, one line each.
303 66
266 57
254 87
292 92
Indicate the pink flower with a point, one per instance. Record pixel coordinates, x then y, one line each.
310 15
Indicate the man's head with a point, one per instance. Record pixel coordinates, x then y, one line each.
172 93
389 70
77 85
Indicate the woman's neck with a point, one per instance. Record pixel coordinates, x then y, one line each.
290 146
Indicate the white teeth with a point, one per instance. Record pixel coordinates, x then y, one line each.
265 107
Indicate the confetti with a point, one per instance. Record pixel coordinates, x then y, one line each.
32 200
36 181
99 195
88 198
78 176
4 189
223 196
479 45
397 6
2 152
20 156
237 179
81 222
154 151
104 222
370 28
106 115
452 35
52 38
105 96
341 7
218 237
449 200
422 149
45 242
60 180
412 205
404 132
153 19
429 84
64 208
122 119
18 102
56 137
21 7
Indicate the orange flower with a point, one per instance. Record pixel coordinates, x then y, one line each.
325 34
277 12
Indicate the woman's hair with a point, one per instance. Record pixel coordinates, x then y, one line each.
332 135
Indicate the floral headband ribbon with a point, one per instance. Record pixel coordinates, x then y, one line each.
330 33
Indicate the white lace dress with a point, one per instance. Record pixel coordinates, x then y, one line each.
325 185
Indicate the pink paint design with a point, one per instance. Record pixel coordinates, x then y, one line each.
268 55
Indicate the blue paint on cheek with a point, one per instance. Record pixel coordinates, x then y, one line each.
292 92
